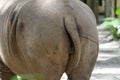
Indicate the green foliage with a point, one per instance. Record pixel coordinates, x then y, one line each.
15 78
114 32
113 25
28 77
118 11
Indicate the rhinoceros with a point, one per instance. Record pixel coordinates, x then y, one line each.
48 37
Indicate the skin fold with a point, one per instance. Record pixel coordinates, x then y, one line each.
48 38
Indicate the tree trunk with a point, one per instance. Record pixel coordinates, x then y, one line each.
93 4
118 3
108 7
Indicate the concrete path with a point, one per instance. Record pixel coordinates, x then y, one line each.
107 66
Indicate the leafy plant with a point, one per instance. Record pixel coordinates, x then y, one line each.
28 77
117 11
113 25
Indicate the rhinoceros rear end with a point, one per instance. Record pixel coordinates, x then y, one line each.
48 38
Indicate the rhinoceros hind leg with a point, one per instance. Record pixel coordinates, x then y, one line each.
86 64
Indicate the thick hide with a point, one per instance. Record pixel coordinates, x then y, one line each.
48 38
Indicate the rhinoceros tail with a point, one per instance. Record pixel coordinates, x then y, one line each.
73 32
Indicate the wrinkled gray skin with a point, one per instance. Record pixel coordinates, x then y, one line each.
48 37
